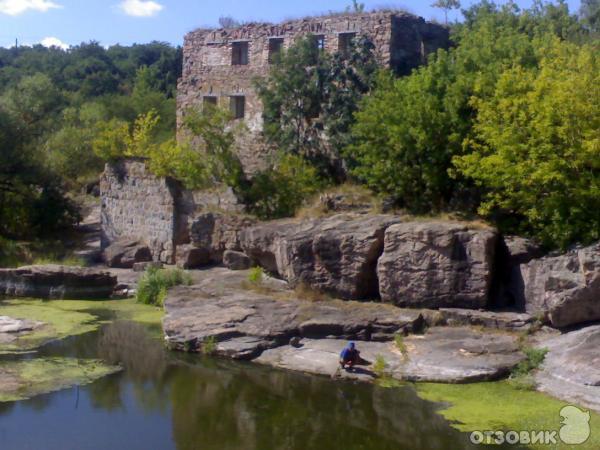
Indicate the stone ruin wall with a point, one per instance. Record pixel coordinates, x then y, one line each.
402 42
137 205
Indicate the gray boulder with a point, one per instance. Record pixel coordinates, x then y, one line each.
236 260
337 254
56 282
124 253
216 233
436 264
564 289
190 257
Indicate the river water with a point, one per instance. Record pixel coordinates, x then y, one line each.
166 400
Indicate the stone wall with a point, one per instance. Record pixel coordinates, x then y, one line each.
138 205
402 42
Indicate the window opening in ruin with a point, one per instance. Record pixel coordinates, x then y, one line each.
275 47
320 42
345 43
209 100
238 106
239 53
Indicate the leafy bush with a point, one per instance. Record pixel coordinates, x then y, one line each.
534 357
536 147
282 190
209 345
256 276
154 284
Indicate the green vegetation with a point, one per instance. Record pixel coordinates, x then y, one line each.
521 376
154 284
64 318
310 98
53 105
25 379
256 276
379 366
400 344
505 124
209 345
499 406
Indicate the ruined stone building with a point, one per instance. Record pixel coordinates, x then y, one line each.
220 65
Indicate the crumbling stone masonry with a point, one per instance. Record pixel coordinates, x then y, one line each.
138 205
219 65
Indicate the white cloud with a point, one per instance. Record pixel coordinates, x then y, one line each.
141 8
16 7
54 42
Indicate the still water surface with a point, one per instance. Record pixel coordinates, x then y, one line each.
164 400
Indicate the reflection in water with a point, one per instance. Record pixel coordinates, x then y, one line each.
163 400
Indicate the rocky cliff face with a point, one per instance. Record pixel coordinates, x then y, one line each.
564 289
433 265
418 264
337 254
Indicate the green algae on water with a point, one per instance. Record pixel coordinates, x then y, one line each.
500 406
21 380
64 318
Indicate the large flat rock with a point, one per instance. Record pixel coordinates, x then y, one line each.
245 321
571 370
56 282
445 354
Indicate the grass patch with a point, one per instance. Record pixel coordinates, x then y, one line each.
345 197
209 345
71 260
500 406
306 292
17 253
154 284
379 366
520 377
400 344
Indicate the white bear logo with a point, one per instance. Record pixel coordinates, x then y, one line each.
575 425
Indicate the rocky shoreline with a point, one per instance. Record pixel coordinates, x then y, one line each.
428 300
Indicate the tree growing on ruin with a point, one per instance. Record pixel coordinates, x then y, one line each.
310 98
447 6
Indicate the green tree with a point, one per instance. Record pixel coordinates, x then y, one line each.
447 6
310 98
536 147
590 14
409 129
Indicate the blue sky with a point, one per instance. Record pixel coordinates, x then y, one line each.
131 21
